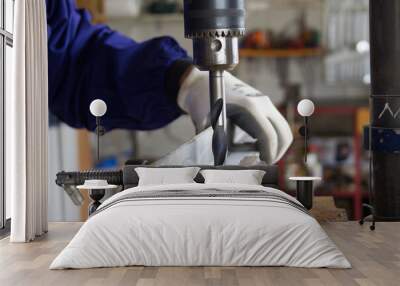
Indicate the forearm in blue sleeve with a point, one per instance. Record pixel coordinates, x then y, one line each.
88 61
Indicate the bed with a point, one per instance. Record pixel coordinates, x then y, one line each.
201 224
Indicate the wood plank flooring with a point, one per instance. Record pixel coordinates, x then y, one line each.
375 257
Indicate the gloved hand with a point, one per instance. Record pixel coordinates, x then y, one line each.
247 107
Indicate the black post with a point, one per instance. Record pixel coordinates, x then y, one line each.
96 196
385 102
305 193
98 137
305 138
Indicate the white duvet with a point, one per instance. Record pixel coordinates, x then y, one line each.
200 231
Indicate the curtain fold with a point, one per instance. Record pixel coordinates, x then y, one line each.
27 123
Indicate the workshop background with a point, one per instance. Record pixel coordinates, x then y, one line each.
294 49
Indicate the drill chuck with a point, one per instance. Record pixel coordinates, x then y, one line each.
214 26
214 18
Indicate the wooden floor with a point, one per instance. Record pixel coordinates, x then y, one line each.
375 257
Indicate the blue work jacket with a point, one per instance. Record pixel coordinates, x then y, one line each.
89 61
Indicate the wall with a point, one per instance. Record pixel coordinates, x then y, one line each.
63 155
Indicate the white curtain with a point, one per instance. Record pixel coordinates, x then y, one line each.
27 123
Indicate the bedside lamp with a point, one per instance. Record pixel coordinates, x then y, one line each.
305 108
304 190
98 108
97 190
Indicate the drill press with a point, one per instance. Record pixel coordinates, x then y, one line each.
215 26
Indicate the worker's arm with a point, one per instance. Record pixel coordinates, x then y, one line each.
138 81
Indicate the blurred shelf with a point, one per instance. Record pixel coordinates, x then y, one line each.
96 9
281 53
99 19
149 18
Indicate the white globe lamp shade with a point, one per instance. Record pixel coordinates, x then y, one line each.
98 108
305 108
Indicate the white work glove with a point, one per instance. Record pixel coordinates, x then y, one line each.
247 107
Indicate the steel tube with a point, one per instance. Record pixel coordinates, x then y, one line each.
385 102
217 91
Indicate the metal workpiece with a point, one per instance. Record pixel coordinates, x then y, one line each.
385 108
69 180
113 177
74 194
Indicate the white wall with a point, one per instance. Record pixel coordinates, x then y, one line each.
63 155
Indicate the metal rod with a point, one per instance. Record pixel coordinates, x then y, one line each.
305 138
217 91
98 137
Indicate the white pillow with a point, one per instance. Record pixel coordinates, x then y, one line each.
166 176
244 177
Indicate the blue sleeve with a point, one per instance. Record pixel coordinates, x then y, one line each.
89 61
